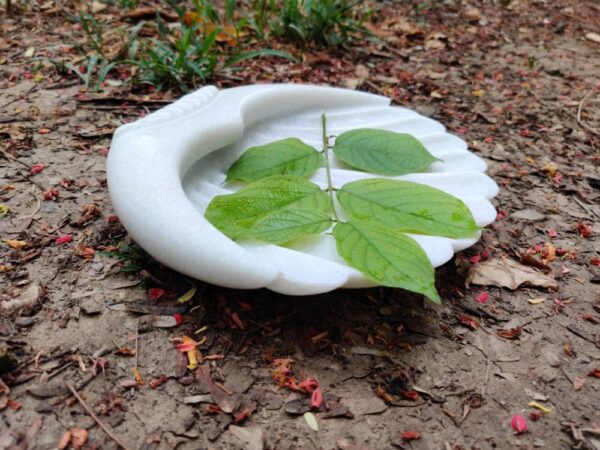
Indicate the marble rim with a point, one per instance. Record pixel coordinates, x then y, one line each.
150 158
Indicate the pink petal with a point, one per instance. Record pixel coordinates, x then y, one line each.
37 168
316 398
482 297
519 424
475 259
64 239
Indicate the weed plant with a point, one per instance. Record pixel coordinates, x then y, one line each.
206 39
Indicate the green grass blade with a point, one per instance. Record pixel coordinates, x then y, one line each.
257 54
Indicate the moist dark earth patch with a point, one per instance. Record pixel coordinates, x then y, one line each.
518 82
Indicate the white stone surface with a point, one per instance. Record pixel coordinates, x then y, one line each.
164 169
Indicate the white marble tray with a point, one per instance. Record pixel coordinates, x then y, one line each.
164 169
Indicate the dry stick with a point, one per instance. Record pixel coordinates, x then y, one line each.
137 335
580 109
104 428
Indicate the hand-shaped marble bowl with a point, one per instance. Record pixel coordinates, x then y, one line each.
164 169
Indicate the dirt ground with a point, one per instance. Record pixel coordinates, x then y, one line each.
519 82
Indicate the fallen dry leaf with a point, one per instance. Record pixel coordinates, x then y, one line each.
12 243
504 272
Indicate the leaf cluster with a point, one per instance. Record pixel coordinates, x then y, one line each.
278 204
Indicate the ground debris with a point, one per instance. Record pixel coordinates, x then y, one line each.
26 302
504 272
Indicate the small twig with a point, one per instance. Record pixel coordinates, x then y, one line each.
20 97
137 335
580 109
10 157
595 431
487 375
586 209
60 369
104 428
223 388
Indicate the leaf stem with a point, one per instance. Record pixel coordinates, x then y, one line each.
327 167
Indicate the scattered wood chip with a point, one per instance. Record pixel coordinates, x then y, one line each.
578 382
195 399
594 37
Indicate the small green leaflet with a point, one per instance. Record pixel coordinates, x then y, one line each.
235 214
311 421
406 206
383 152
187 296
284 157
388 256
283 226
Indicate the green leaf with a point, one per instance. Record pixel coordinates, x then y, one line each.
406 206
311 421
383 152
187 296
284 157
387 256
257 54
235 214
283 226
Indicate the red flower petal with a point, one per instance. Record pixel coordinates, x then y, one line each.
316 398
584 229
51 194
178 318
309 385
552 233
519 424
156 293
187 347
475 259
37 168
64 239
410 435
482 297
